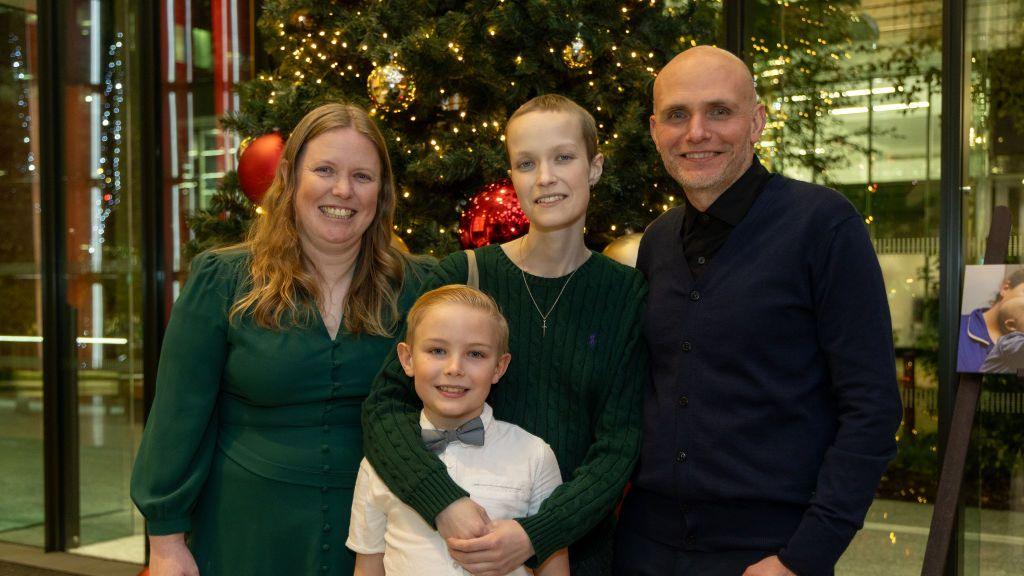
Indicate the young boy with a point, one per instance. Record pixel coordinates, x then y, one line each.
1007 356
456 347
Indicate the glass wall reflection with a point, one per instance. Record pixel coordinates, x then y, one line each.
853 96
21 379
103 235
994 176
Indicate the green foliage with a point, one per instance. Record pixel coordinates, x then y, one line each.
494 55
805 55
224 221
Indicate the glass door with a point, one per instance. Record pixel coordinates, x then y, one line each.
21 337
103 116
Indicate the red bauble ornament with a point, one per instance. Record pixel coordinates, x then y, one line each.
493 215
258 164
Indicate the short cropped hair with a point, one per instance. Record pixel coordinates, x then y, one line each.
559 103
458 294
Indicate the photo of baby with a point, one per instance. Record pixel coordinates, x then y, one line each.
992 320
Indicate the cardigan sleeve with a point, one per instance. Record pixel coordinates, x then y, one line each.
391 428
596 486
181 431
855 333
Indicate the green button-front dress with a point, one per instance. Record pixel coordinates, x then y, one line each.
254 439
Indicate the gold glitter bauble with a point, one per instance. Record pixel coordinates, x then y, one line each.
577 54
624 249
390 87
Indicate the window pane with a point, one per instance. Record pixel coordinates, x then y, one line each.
21 376
103 228
853 100
994 176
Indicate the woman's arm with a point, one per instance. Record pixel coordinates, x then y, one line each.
179 440
170 556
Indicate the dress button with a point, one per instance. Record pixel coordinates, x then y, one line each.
324 507
690 539
694 295
327 527
326 468
324 488
325 448
327 428
326 547
687 346
684 401
323 568
681 456
702 260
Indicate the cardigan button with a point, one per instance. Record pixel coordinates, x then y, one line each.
687 346
694 295
702 260
325 448
327 527
684 401
326 547
681 456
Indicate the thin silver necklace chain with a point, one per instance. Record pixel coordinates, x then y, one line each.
543 316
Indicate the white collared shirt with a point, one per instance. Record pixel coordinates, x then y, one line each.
510 476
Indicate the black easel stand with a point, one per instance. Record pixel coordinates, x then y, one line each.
967 393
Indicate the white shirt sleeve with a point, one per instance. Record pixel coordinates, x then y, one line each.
369 520
546 477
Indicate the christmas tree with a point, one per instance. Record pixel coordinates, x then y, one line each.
441 77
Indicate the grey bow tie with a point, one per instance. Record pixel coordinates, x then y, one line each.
471 432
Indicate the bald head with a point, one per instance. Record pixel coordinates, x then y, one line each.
707 65
706 120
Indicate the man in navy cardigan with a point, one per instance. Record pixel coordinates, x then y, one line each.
773 405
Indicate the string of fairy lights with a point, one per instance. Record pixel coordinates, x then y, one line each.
18 70
109 172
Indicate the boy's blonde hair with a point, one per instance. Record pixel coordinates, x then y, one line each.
458 294
559 103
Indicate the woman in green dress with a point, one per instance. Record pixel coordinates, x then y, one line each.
254 440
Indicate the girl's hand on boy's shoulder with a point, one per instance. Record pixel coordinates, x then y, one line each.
501 551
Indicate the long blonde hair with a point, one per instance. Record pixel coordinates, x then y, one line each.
283 279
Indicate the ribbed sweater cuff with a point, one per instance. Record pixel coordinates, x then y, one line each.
814 548
168 526
543 531
435 492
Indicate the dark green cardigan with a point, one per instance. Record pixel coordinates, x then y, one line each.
579 388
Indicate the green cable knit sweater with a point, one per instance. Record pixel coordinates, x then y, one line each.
579 387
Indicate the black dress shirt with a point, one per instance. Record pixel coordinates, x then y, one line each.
705 232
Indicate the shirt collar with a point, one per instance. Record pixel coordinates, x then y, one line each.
977 330
487 416
737 199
